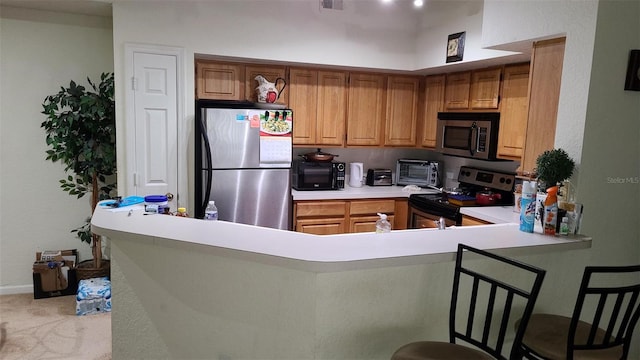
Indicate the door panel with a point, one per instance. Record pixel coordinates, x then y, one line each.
156 123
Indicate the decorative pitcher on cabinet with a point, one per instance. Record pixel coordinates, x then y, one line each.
269 92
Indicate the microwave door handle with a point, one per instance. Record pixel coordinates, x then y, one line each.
474 128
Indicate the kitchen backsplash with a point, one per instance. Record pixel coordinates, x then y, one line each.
386 158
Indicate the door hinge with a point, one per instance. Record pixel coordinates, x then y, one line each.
134 83
135 179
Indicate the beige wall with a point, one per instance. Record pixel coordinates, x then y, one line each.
39 52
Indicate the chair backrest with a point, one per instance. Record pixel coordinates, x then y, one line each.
613 308
492 303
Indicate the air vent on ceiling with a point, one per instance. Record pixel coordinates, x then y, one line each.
331 4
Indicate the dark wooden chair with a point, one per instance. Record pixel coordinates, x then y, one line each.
482 308
602 323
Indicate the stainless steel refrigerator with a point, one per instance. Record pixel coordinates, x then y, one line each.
243 154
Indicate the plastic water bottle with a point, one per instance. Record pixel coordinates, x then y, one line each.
211 212
383 225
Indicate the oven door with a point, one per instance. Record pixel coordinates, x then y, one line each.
419 219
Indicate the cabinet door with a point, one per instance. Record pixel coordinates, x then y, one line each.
332 108
365 109
271 73
402 111
219 81
327 226
513 111
367 223
303 100
485 88
546 74
433 103
457 91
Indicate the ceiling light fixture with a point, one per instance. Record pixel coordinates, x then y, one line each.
418 3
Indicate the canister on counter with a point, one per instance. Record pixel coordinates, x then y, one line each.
157 204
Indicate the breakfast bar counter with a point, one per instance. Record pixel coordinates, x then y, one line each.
188 288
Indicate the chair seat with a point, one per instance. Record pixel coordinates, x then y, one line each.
546 334
424 350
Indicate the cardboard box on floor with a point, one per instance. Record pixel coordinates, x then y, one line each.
54 273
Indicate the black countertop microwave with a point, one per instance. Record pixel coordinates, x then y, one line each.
469 134
311 175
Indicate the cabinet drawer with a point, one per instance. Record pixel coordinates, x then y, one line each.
321 208
372 207
470 220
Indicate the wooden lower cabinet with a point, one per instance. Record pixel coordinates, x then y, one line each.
349 216
366 223
326 226
470 220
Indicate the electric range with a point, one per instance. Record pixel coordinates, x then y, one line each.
426 209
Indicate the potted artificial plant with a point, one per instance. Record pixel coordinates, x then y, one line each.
80 128
553 167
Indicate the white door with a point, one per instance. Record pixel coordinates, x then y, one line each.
153 98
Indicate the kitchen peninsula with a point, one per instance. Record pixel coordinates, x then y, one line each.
187 288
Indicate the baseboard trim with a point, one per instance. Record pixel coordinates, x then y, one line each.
18 289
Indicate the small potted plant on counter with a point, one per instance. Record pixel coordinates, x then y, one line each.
553 167
80 128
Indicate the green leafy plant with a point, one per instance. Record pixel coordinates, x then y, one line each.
80 132
554 166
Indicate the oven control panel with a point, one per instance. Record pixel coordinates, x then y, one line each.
487 178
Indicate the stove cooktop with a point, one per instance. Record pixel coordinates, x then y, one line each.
471 181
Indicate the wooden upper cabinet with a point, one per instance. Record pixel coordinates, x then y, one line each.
401 111
432 104
303 100
457 91
271 73
332 108
219 81
318 100
546 74
513 111
365 112
485 88
478 89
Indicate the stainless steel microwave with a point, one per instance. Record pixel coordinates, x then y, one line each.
469 134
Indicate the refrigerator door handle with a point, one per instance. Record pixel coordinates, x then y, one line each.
207 151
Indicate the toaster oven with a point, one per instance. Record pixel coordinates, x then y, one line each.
422 173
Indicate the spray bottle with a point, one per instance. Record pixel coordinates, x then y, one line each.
551 211
528 206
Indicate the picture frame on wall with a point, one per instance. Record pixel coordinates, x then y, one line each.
455 47
632 81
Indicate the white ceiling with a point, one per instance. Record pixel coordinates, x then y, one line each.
83 7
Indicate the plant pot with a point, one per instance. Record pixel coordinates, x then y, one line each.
85 270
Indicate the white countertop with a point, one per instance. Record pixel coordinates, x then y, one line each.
324 253
492 214
364 192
